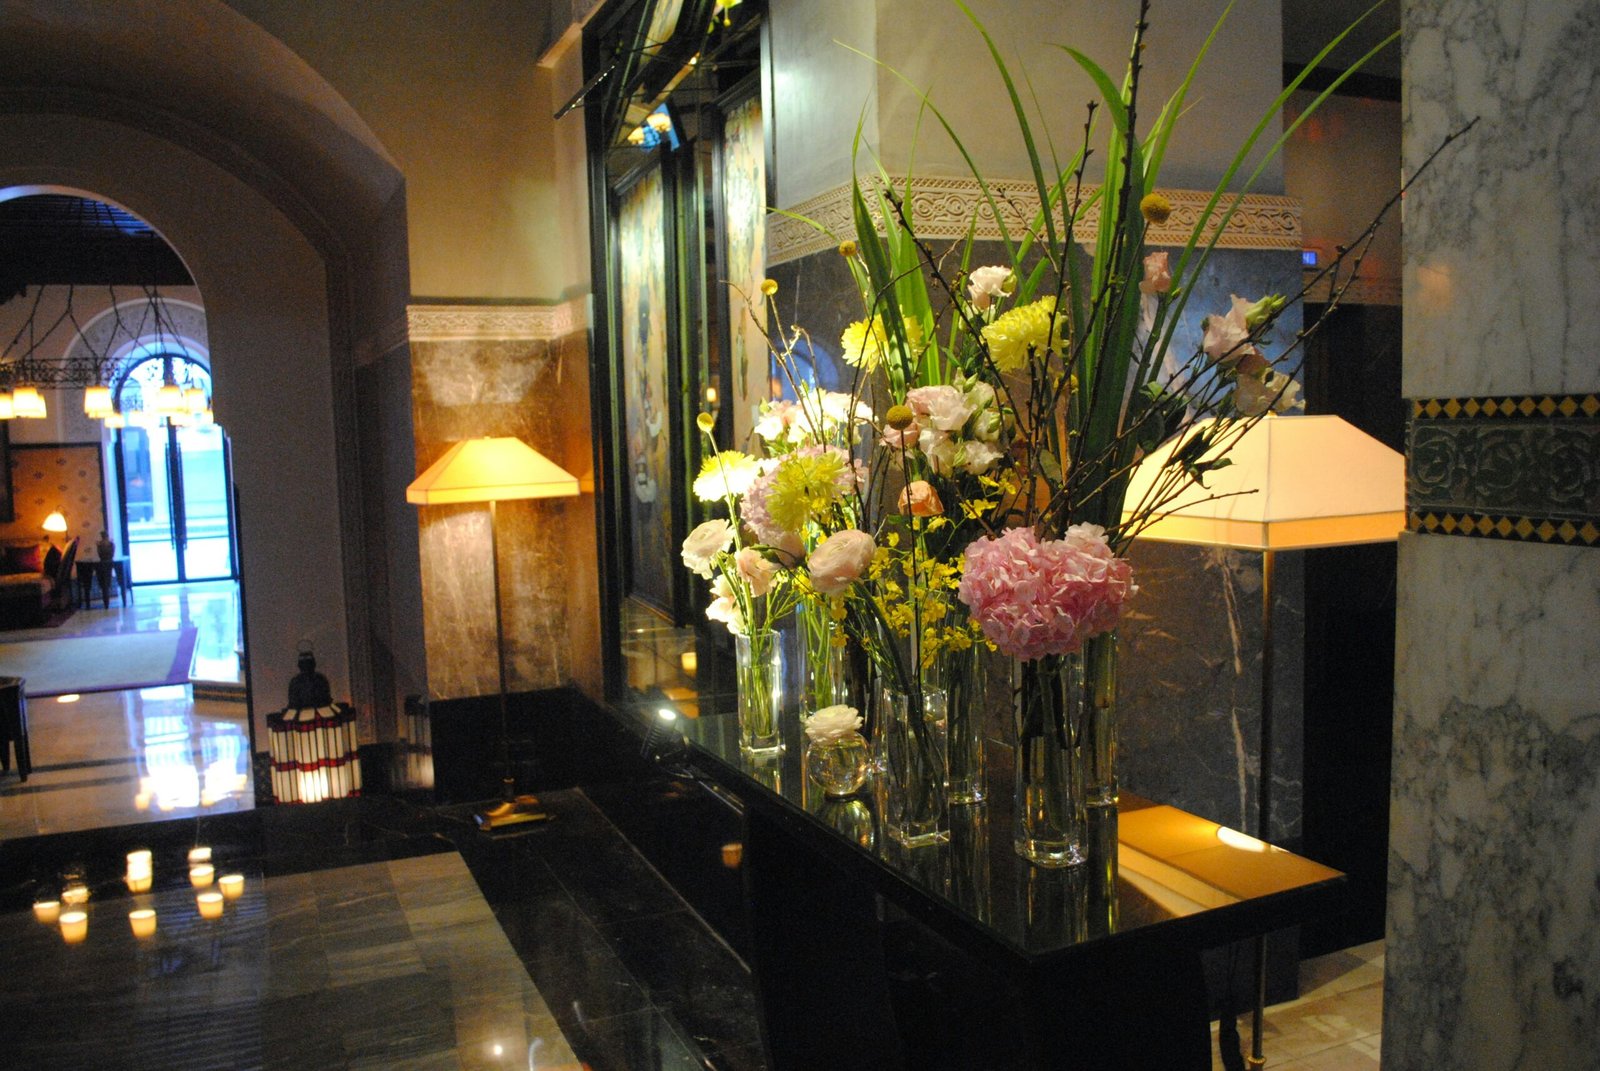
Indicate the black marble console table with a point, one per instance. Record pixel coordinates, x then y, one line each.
963 956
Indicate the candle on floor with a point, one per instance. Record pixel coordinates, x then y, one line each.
75 894
143 922
232 885
74 926
140 860
202 875
47 911
138 882
199 855
210 904
141 801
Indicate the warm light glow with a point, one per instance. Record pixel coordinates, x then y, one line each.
29 403
169 400
97 401
636 136
141 801
139 881
74 927
1312 481
200 854
143 922
210 905
1243 841
204 418
194 399
47 911
55 522
202 875
711 396
8 406
667 714
114 421
70 697
660 122
732 854
232 885
73 895
689 662
140 418
494 469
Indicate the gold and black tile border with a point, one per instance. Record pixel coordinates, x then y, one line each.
1523 468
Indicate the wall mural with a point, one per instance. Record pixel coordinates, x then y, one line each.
642 280
744 199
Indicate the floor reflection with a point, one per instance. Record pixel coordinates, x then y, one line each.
114 758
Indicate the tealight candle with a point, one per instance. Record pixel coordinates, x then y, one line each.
141 801
139 861
47 911
74 926
143 922
75 894
232 885
138 882
199 855
210 904
202 875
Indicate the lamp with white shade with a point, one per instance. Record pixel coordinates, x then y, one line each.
1295 483
495 469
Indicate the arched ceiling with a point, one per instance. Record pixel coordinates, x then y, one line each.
201 74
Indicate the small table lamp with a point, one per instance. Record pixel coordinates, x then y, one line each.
1317 481
494 470
55 524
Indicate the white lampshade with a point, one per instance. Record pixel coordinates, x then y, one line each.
28 402
194 399
114 420
55 522
493 469
1313 481
97 400
169 400
8 407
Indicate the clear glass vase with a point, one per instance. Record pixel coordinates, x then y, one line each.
839 767
825 658
1094 717
912 730
758 673
963 677
1048 806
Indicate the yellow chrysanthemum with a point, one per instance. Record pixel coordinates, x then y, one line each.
727 472
1022 330
805 486
864 343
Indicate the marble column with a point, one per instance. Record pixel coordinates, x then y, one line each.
1493 956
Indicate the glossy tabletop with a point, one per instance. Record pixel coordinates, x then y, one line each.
1153 870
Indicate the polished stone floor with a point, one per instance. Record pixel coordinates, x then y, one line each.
114 758
1336 1023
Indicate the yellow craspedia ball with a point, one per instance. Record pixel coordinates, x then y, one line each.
847 248
899 417
769 287
1155 208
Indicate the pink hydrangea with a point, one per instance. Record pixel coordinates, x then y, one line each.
753 511
1036 598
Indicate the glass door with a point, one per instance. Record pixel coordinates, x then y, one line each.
175 480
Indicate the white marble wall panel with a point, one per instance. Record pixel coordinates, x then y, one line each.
1502 234
1493 956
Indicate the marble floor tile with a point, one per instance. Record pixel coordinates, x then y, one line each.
1334 1025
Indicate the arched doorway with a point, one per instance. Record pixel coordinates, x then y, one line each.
173 475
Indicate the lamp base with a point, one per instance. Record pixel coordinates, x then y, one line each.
519 810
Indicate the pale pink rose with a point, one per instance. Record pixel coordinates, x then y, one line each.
755 570
985 285
939 449
944 407
724 607
1227 338
840 560
790 547
906 438
704 544
1157 276
920 499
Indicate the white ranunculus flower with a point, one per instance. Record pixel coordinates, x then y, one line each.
832 724
724 607
984 285
840 560
704 544
755 570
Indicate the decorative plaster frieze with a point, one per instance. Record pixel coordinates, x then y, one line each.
943 208
455 323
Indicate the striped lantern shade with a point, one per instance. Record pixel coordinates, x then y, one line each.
314 754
